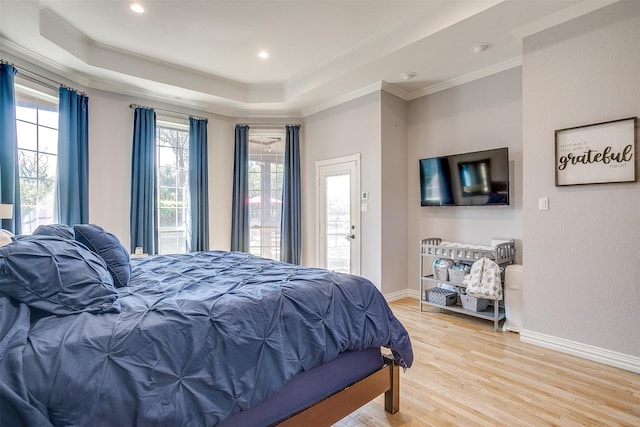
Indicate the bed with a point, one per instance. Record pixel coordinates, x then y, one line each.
89 337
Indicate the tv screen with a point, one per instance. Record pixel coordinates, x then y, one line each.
479 178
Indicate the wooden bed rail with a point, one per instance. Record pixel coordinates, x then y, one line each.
340 404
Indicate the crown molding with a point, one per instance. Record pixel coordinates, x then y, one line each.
560 17
21 53
375 87
55 69
397 91
466 78
253 115
408 96
109 58
110 87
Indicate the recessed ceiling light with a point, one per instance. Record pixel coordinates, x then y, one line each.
407 75
481 47
263 54
136 7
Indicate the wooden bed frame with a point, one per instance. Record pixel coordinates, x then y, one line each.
340 404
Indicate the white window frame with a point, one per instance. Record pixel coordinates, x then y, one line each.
172 124
41 93
273 250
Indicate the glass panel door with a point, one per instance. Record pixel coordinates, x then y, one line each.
338 214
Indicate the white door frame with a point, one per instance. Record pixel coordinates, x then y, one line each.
355 208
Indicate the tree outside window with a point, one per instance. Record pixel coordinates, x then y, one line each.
37 126
173 188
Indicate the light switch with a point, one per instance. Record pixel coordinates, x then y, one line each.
543 204
364 207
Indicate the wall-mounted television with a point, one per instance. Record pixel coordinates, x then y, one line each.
479 178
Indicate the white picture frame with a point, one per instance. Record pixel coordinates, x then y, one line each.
596 154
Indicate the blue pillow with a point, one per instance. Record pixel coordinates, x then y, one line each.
57 276
109 248
60 230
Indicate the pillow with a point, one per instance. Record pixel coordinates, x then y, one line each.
6 237
60 230
57 276
109 248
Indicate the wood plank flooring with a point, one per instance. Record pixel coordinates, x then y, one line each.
465 374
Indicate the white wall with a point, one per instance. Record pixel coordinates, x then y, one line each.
581 275
110 145
221 135
479 115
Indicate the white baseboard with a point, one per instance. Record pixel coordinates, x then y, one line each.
414 293
585 351
395 296
405 293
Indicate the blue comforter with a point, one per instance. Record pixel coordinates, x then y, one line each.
199 337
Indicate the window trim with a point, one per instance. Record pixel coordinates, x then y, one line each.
275 248
172 124
41 92
45 94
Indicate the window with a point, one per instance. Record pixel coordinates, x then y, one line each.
37 126
172 141
265 193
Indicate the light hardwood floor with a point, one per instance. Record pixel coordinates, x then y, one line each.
465 374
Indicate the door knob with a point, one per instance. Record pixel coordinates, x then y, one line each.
350 236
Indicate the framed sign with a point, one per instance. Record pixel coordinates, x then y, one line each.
597 154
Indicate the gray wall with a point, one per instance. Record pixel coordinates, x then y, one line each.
349 128
479 115
374 126
581 275
394 194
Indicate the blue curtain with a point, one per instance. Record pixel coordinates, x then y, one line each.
240 208
198 186
72 188
291 221
144 219
9 171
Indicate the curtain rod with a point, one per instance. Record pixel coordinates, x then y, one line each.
22 71
267 125
167 111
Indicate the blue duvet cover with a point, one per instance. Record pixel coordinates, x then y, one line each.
197 338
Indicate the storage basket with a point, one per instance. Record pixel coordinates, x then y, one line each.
441 296
456 276
441 269
473 303
440 273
